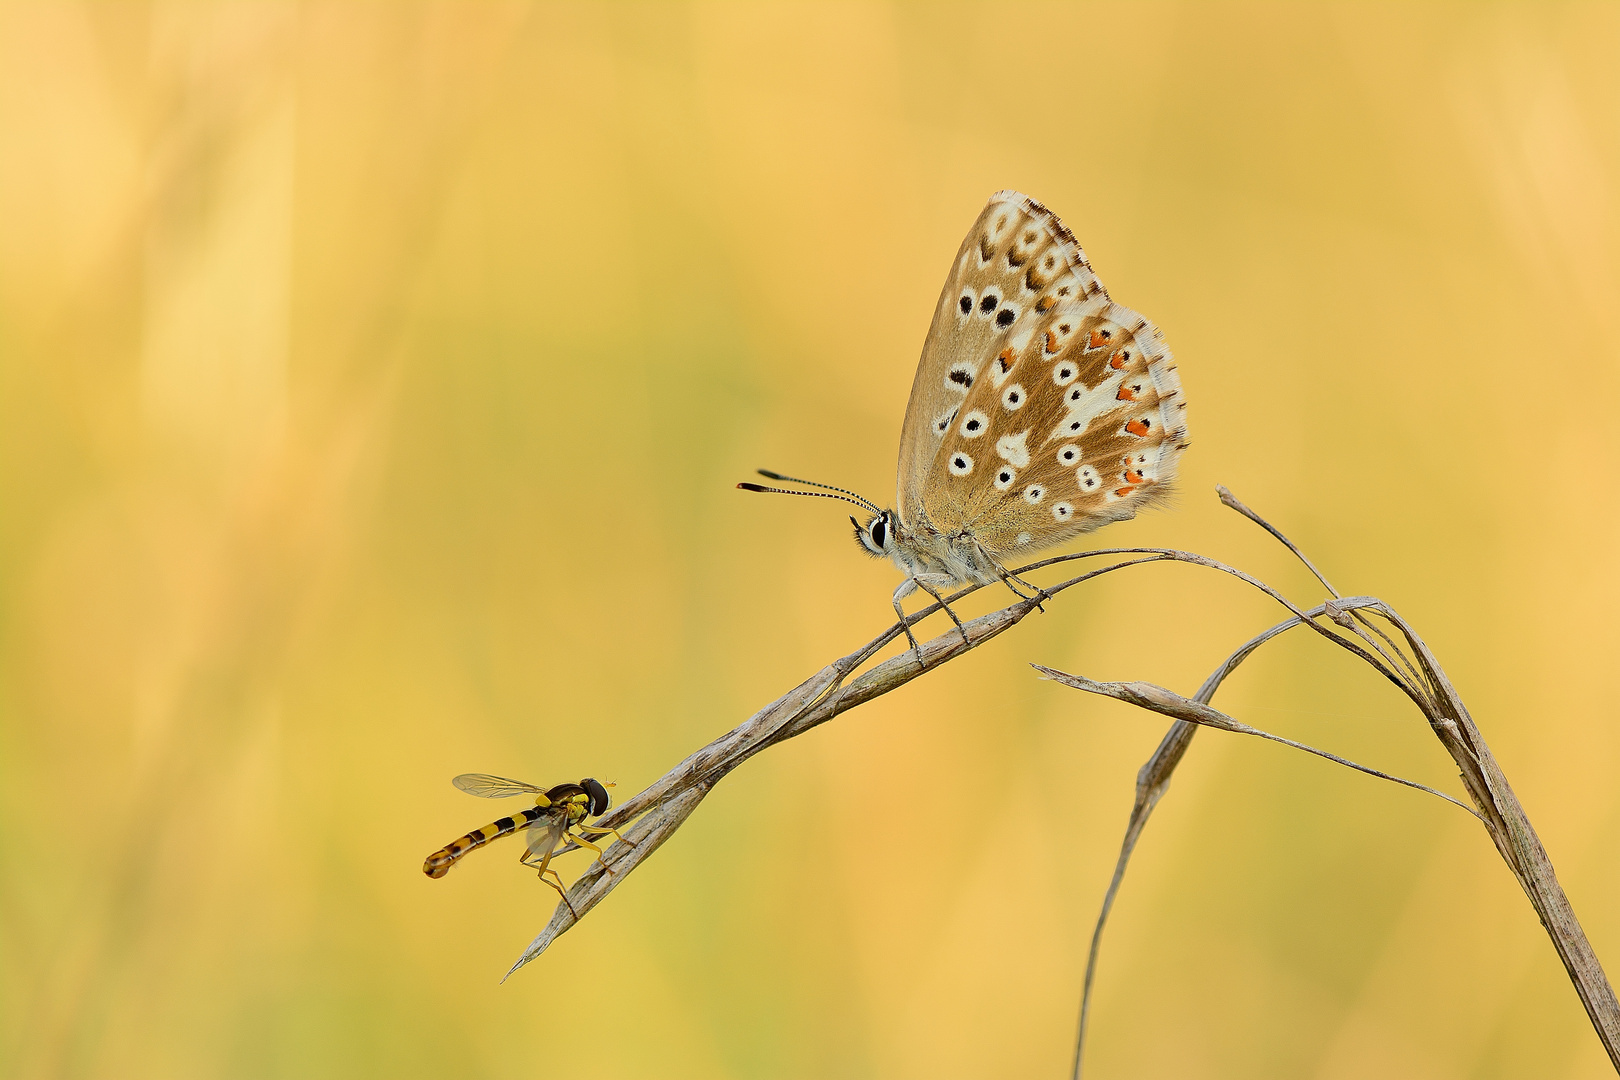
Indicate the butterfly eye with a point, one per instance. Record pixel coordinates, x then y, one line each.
880 532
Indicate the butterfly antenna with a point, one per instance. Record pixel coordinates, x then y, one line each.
859 500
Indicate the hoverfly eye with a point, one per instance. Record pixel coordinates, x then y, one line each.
598 794
880 532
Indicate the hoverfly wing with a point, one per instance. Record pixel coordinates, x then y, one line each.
544 835
486 786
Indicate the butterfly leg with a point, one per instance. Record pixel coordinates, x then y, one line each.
907 587
929 589
1038 594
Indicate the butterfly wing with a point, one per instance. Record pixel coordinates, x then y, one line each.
486 786
1017 261
1076 420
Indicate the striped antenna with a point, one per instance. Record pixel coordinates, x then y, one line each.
850 495
862 503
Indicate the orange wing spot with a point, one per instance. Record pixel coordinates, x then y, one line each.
1099 338
1133 476
1044 304
1138 428
1051 342
1117 361
1124 491
1125 394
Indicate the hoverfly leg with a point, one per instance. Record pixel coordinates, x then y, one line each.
544 867
582 842
562 892
607 829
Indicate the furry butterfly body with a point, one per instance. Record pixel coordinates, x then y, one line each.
1041 410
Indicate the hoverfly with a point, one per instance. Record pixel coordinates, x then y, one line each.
552 821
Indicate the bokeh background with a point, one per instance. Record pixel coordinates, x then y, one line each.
373 383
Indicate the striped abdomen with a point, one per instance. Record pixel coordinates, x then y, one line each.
439 863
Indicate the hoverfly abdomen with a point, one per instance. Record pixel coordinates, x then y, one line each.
439 863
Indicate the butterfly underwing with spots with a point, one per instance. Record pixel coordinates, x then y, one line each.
1040 410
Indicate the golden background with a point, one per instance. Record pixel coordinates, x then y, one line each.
373 383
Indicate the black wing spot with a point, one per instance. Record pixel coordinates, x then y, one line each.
1005 318
988 304
961 378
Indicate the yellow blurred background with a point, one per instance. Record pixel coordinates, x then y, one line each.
373 383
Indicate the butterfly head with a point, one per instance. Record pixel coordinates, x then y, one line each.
877 537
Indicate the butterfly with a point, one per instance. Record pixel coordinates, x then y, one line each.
1041 410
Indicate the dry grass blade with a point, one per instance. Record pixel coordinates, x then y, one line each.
1168 703
1419 675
